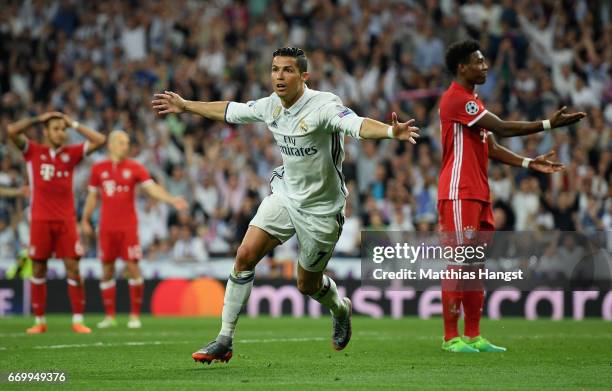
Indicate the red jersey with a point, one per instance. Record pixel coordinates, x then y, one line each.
50 173
465 152
116 183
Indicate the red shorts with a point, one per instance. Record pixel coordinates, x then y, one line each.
465 222
119 243
56 238
465 217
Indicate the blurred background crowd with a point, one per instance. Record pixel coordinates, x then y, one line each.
101 62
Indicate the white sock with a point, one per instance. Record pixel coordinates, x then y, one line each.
77 318
40 320
328 296
237 293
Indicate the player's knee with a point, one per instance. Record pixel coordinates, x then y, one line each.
133 270
246 256
108 274
39 269
307 288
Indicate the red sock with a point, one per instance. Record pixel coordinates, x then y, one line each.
136 293
39 295
472 307
451 309
76 293
108 291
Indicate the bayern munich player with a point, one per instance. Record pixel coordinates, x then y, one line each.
464 203
53 227
115 180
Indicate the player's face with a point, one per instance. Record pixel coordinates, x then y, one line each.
55 132
119 145
287 80
475 71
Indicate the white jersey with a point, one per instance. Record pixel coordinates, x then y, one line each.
310 135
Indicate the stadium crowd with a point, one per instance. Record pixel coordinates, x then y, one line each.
102 61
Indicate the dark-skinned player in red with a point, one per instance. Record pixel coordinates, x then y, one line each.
464 203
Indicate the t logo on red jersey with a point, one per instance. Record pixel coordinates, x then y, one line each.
109 187
47 171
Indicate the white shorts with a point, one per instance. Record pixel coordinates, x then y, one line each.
316 235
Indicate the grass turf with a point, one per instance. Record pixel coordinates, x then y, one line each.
285 353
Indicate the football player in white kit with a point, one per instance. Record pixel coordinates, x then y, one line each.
308 190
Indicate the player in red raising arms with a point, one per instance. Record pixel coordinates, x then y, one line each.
115 179
53 228
464 205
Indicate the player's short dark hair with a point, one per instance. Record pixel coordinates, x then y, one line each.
297 53
47 123
459 53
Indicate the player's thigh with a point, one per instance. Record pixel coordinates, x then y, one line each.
457 215
39 269
487 222
459 218
270 227
486 225
41 241
317 237
66 240
129 245
108 247
255 245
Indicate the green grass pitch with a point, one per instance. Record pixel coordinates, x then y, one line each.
287 353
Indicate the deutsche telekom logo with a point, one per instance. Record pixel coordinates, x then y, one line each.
47 171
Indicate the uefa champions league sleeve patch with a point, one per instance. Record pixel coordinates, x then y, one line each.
472 108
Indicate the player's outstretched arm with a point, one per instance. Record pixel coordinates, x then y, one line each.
14 192
16 129
541 163
170 102
373 129
159 193
95 139
503 128
88 209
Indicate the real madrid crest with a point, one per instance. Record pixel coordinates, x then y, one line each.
303 126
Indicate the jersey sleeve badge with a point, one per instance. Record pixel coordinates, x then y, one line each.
472 108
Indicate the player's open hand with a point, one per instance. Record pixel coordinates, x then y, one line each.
561 118
68 119
404 130
179 203
87 229
168 102
543 164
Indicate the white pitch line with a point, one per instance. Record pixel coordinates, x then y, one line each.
145 343
273 340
